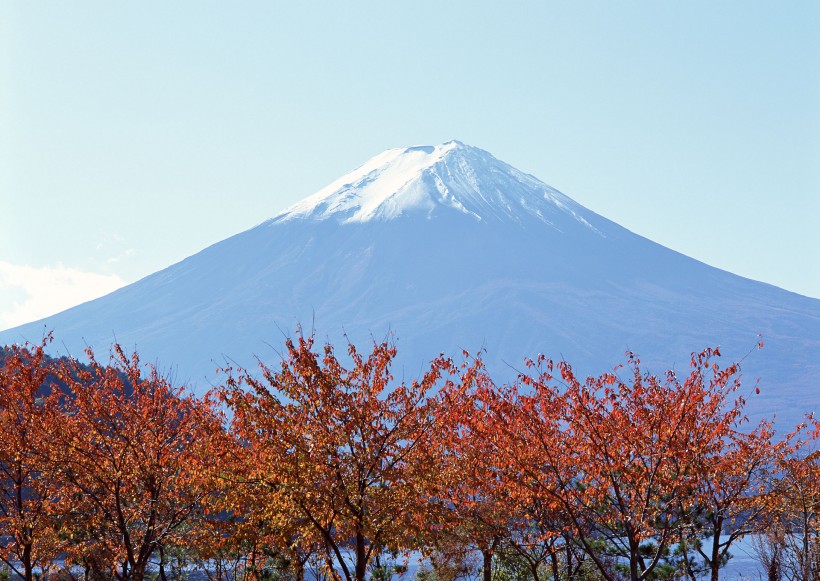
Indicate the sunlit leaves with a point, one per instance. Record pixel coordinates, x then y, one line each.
335 451
327 457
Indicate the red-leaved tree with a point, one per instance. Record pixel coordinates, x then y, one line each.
337 449
29 538
132 452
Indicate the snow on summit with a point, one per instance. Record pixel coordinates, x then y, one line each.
431 179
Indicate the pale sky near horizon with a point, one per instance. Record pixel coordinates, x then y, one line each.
133 135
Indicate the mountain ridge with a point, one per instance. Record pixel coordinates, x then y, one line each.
442 280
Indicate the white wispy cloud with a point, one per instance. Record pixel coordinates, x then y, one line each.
29 293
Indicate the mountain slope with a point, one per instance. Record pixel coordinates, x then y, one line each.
453 249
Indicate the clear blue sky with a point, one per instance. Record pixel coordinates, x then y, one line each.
134 134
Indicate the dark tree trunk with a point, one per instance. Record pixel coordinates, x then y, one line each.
714 559
487 568
556 573
162 565
138 571
634 558
361 565
27 564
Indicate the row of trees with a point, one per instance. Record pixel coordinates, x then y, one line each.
328 462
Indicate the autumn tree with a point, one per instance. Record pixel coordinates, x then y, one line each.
793 511
248 524
734 468
534 458
28 525
131 450
619 457
473 506
341 445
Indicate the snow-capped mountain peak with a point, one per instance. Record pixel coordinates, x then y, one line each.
450 249
435 179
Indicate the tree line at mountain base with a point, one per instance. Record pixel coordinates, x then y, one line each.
326 466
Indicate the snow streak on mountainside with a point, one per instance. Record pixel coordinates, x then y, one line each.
449 249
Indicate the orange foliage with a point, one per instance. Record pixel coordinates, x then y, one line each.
338 447
473 504
332 458
131 451
619 458
28 520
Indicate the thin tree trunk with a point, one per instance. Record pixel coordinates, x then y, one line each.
556 573
634 556
28 567
487 568
162 564
714 560
361 565
687 562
